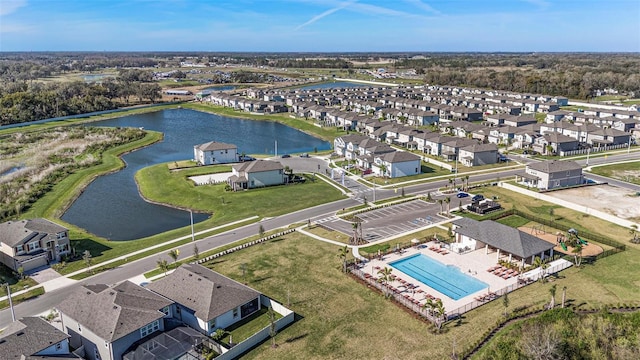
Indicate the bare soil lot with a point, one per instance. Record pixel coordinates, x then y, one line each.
606 198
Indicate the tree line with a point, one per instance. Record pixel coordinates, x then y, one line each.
22 101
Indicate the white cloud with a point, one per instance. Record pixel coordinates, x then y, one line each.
9 6
326 13
428 8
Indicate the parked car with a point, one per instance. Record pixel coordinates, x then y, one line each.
304 155
285 156
477 197
247 158
462 194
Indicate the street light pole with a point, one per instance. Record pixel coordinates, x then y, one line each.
13 314
193 236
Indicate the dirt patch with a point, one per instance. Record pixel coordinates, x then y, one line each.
589 250
610 199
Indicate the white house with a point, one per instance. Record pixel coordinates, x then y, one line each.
215 152
397 164
254 174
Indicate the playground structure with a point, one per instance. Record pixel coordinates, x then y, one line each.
538 230
561 240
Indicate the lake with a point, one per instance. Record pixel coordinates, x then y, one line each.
334 85
111 206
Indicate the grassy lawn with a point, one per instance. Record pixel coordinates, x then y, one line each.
230 206
20 298
629 172
16 284
329 234
307 126
242 330
339 317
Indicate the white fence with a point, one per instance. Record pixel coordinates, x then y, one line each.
570 205
260 336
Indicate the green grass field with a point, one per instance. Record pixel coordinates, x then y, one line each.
629 172
340 317
230 206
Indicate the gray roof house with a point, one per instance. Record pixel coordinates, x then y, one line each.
206 300
214 152
33 338
478 154
107 320
504 239
32 243
552 174
254 174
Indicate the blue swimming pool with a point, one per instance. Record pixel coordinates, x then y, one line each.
447 279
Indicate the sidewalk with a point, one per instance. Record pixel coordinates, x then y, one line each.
64 281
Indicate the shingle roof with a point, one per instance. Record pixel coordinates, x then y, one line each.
13 233
206 292
258 166
214 145
400 156
503 237
552 166
27 337
477 148
115 311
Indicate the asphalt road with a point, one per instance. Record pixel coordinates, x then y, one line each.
50 299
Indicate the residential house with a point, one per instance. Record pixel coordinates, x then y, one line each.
206 300
107 320
555 143
478 154
29 244
451 146
255 174
215 152
553 174
519 121
34 338
347 143
397 164
508 243
608 137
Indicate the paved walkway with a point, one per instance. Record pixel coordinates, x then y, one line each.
63 281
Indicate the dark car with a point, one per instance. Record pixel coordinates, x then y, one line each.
247 158
477 197
462 194
285 156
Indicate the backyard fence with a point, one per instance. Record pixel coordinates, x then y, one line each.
593 150
243 246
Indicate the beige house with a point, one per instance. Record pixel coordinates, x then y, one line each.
547 175
254 174
32 243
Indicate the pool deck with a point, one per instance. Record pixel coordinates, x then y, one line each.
474 264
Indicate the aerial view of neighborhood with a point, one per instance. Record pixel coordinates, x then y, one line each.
289 179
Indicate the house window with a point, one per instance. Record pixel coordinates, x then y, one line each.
61 235
150 328
33 246
79 328
212 324
106 344
59 346
235 312
165 311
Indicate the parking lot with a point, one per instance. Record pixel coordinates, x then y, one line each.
388 221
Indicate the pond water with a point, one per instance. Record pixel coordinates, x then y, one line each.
111 206
220 88
11 170
334 85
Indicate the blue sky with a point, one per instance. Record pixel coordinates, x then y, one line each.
320 25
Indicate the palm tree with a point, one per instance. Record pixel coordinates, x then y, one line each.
505 303
577 253
173 254
542 264
437 310
354 226
440 202
163 265
383 170
447 200
196 252
385 277
633 230
552 291
450 183
342 254
466 180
